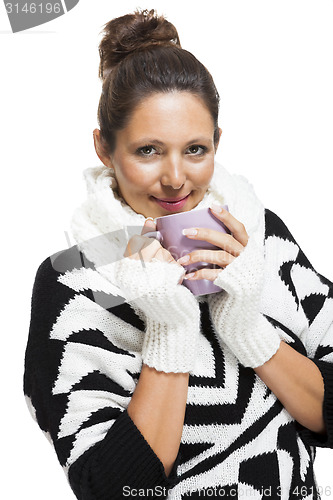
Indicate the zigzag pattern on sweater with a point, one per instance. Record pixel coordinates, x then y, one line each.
236 432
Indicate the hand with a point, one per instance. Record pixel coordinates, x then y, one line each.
171 312
235 310
231 245
147 249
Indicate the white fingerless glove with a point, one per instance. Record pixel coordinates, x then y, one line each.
235 310
171 310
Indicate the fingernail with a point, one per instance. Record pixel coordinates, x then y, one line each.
184 259
189 232
189 276
150 222
216 208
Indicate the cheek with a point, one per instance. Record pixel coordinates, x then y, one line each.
134 176
203 175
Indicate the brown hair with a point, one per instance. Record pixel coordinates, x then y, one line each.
140 54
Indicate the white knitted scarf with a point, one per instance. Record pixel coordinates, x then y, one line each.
104 212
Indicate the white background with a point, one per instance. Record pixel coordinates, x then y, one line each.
272 64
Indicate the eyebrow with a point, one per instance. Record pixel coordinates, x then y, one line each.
149 140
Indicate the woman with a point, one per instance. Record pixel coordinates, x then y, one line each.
144 389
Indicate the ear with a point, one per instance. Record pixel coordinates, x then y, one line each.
100 149
218 142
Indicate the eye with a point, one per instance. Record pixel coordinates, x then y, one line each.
146 151
196 150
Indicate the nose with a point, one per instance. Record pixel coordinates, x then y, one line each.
173 174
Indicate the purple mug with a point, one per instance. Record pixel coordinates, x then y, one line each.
169 234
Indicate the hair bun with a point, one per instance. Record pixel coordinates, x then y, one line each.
126 34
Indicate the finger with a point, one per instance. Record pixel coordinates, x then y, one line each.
145 249
222 240
236 227
164 255
133 246
140 247
205 273
149 225
218 257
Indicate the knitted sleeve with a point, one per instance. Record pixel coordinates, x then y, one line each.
82 363
298 301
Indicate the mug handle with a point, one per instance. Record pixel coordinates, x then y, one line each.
154 234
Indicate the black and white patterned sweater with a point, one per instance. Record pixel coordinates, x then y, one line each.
83 360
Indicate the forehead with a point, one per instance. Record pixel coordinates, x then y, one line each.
171 114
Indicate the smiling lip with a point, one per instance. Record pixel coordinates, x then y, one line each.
171 204
172 200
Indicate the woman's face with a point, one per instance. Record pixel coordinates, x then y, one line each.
165 154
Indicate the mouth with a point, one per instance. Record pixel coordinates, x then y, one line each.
172 204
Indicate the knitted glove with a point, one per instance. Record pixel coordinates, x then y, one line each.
172 313
235 310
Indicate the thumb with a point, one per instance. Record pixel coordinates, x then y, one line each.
149 225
